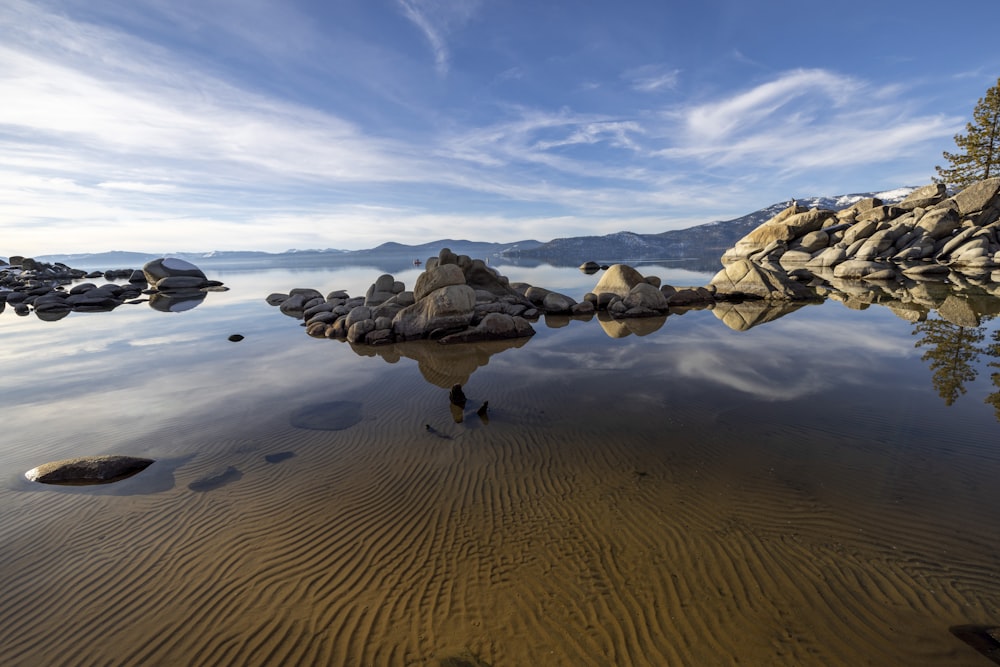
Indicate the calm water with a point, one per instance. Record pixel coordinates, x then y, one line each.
823 430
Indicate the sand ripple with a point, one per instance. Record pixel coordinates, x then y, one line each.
531 540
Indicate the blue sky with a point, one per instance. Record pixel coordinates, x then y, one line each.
160 125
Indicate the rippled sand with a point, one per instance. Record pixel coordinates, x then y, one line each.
548 536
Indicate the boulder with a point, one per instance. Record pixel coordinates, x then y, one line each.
977 197
553 302
494 326
381 290
743 278
618 279
442 275
171 267
88 470
449 307
647 297
788 225
924 197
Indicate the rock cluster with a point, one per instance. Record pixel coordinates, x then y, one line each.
455 299
622 292
927 233
28 285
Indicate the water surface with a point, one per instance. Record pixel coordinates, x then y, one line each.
813 490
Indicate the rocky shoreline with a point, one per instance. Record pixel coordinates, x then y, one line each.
168 284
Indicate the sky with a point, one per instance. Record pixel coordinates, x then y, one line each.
198 125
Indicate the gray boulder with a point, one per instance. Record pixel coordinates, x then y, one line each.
172 267
449 307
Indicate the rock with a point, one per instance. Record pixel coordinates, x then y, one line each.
788 225
276 298
924 197
170 267
88 470
450 307
557 303
814 241
744 278
618 279
646 297
939 223
977 197
456 396
381 290
493 326
443 275
235 338
857 268
590 267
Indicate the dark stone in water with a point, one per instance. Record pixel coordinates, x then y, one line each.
279 457
235 338
216 480
457 396
88 470
333 416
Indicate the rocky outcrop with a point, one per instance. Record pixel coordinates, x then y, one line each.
455 299
870 239
49 291
88 470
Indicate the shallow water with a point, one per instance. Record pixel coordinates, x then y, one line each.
797 493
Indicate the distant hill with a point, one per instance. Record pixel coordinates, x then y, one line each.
701 246
702 242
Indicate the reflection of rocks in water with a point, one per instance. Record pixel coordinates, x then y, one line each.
332 416
749 314
640 326
176 302
443 365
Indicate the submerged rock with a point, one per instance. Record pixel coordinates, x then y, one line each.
88 470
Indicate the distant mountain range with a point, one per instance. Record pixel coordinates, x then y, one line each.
700 246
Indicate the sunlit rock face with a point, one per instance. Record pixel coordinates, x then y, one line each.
743 278
961 231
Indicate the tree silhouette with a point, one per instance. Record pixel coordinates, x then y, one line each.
952 351
994 351
980 156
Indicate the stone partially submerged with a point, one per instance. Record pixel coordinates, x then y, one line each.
88 470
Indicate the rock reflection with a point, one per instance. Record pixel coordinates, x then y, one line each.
620 328
442 365
748 314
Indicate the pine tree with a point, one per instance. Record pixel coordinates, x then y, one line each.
980 144
952 354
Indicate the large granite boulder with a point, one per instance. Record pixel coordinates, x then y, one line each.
88 470
434 278
743 279
618 279
446 309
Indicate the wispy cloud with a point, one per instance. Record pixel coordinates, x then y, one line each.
652 78
435 19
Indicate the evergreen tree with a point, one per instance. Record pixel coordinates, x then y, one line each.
953 351
980 156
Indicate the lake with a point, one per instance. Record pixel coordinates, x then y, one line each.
818 489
